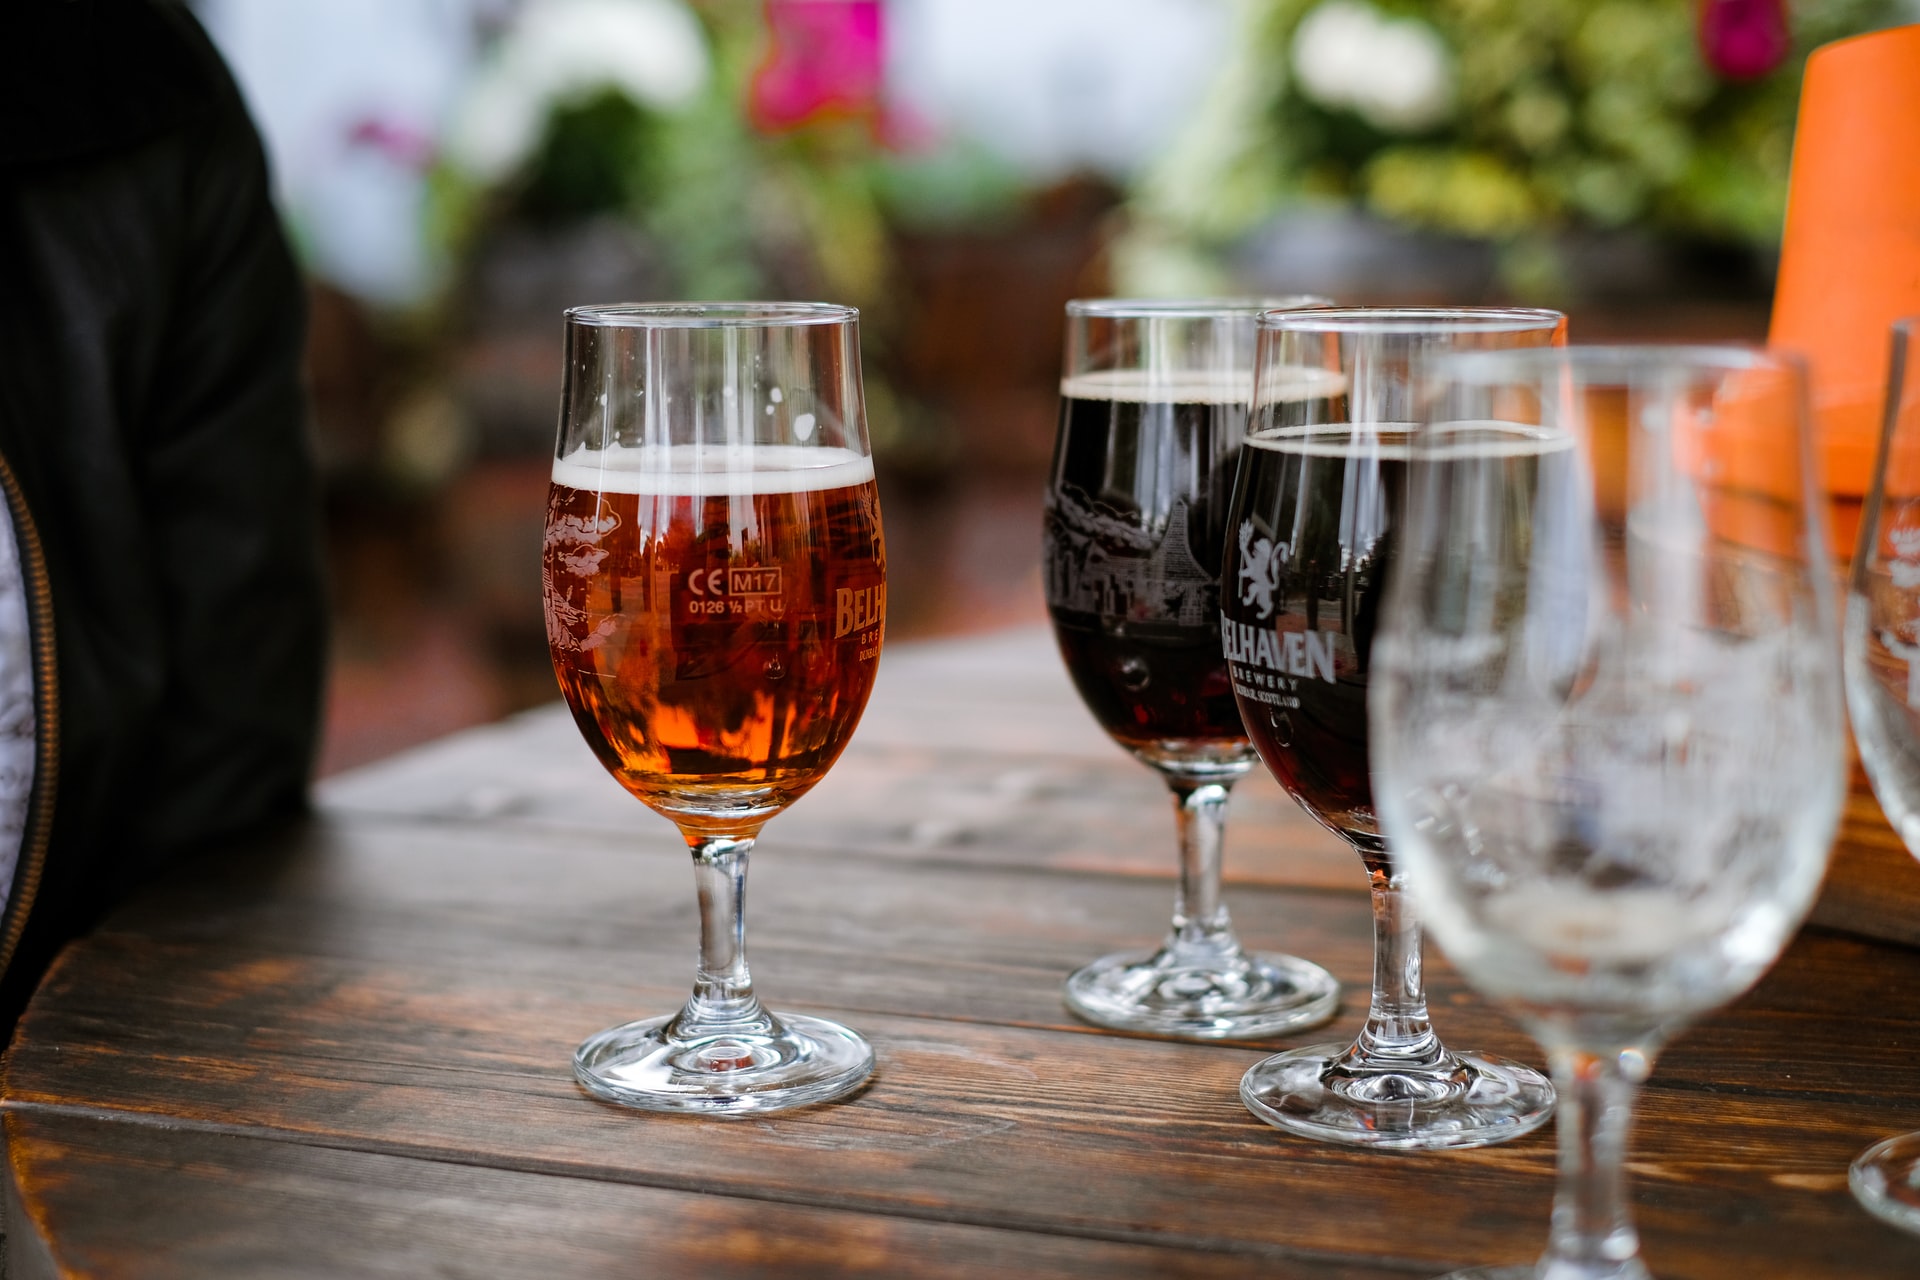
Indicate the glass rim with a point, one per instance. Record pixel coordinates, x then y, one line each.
710 315
1414 320
1624 361
1193 308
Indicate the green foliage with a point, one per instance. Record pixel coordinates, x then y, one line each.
1471 191
959 185
598 156
736 212
1567 113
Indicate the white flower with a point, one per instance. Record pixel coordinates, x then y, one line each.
563 50
496 127
652 49
1394 73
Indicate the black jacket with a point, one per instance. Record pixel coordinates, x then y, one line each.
155 460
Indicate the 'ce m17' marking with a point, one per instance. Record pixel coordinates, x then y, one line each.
758 581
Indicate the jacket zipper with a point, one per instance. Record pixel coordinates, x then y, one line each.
46 716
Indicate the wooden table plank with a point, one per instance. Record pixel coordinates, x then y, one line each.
1090 1136
400 989
957 942
1873 882
975 750
1011 769
220 1204
482 907
378 1010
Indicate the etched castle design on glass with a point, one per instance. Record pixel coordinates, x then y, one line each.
1112 568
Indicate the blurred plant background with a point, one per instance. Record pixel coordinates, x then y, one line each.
1549 150
455 173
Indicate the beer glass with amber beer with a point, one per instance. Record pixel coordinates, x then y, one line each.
715 587
1153 406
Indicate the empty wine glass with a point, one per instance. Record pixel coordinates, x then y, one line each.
1606 710
1883 692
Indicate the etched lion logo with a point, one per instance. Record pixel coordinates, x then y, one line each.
1259 569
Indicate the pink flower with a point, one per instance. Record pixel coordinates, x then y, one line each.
1744 39
826 60
399 141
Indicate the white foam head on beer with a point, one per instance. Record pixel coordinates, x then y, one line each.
1160 386
1293 383
1202 386
1394 441
699 471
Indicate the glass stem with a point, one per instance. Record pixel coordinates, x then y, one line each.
1398 1035
1202 934
1593 1236
723 1001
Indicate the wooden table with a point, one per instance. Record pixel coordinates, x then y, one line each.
347 1054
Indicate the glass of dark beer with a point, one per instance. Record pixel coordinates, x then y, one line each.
1312 529
1608 744
1153 406
715 589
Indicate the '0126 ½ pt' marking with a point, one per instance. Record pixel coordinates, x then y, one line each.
756 591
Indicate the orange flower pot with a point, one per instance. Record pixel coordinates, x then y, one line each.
1850 259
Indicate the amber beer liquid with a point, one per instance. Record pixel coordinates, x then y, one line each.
1134 519
716 632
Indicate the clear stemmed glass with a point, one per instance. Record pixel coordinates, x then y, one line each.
1153 406
1606 713
715 589
1883 692
1314 528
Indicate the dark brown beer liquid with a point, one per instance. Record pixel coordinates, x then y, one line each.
1313 518
716 647
1133 531
1316 518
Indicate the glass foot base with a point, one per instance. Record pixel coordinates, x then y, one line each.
1317 1092
800 1061
1260 995
1886 1180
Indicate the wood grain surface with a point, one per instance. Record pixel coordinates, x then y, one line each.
345 1052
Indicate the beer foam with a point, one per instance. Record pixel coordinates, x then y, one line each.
1518 440
1200 386
698 471
1157 386
1292 383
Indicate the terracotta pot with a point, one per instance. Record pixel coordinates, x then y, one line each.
1850 261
